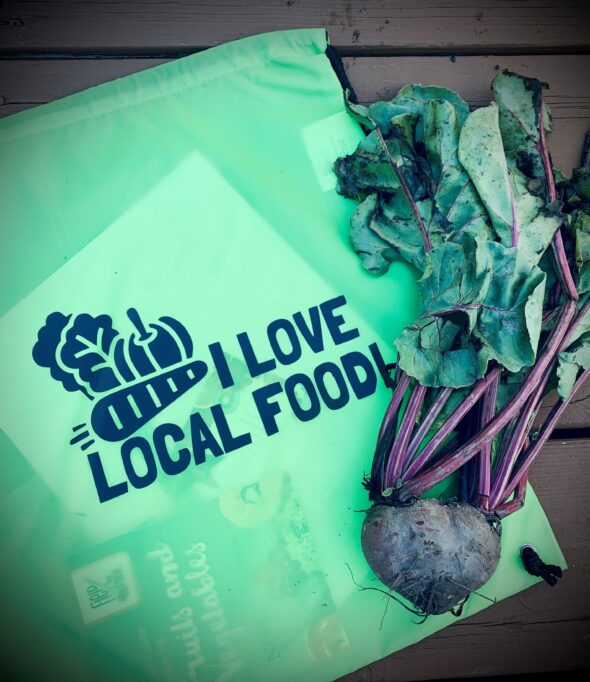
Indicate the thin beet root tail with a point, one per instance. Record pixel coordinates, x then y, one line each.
434 554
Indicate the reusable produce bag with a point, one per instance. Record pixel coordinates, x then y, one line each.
190 360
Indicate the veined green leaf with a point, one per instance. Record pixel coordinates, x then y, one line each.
453 191
428 352
451 283
375 253
475 184
411 99
570 363
366 170
520 100
482 155
537 221
428 93
384 228
511 311
489 293
580 224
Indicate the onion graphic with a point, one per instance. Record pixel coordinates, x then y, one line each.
157 346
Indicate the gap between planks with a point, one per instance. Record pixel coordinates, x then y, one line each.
356 26
172 52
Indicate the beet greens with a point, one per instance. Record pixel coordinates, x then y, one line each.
502 242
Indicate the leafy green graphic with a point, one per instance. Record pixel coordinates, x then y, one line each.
138 376
89 351
79 352
45 350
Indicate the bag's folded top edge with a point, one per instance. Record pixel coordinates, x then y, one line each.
165 79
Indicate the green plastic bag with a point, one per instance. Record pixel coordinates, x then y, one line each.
189 360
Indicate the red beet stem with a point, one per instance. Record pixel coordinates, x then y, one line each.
387 434
515 504
394 403
500 491
451 462
429 419
516 443
462 409
488 409
544 433
395 460
563 268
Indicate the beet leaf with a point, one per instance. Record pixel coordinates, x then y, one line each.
470 199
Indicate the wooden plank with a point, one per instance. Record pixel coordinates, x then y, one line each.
26 83
355 25
540 630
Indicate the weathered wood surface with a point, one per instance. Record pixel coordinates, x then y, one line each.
353 25
25 83
540 630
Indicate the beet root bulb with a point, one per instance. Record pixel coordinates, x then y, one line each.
434 554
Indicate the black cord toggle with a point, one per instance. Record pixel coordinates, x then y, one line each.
385 371
534 565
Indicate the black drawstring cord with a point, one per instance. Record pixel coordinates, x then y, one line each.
534 565
338 66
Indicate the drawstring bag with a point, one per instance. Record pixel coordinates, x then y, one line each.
191 364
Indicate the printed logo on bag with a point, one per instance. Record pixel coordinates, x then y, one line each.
105 587
131 379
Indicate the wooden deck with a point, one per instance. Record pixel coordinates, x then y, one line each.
49 49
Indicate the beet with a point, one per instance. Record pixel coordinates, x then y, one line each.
432 553
498 324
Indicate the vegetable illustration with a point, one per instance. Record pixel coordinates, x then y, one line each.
79 351
138 377
44 351
472 201
120 414
88 349
164 344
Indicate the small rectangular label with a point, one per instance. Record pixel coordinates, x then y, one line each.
105 587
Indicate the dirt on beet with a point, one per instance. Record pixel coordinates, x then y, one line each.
435 554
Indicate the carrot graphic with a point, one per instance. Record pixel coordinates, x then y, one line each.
121 413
